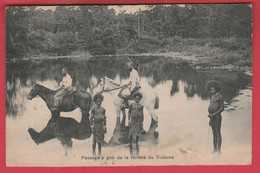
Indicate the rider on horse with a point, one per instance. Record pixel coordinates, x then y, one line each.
64 88
131 86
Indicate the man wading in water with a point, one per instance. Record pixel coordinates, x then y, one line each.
215 108
98 124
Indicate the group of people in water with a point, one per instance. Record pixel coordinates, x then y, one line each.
98 113
135 114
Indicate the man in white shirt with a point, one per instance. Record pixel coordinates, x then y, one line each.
64 87
131 86
133 78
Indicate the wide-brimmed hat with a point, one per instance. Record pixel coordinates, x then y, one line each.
138 94
214 84
98 95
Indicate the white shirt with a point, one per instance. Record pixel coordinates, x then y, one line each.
66 82
133 79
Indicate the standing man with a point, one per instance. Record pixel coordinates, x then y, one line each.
131 86
215 108
64 87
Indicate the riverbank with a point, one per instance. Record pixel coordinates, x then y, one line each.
234 54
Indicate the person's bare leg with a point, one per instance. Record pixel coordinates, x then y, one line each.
218 133
94 148
214 136
99 149
137 139
123 120
131 139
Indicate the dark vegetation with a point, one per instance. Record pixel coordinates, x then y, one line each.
221 32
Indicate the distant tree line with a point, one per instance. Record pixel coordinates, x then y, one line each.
99 30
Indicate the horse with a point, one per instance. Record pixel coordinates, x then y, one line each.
64 129
69 103
150 101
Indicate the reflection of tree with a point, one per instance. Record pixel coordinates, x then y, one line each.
190 90
162 69
175 87
231 82
16 97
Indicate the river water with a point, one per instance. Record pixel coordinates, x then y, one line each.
184 134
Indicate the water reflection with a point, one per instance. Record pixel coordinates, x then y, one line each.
64 129
21 76
183 121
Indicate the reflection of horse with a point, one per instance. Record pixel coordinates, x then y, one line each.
70 102
149 100
63 129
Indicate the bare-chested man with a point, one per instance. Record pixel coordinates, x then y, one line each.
215 108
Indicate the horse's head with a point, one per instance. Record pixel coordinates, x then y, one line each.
33 92
106 83
101 84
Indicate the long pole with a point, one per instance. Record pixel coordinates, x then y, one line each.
208 140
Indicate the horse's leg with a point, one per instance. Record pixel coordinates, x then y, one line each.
34 135
154 119
55 114
153 125
67 144
46 134
85 130
118 112
117 135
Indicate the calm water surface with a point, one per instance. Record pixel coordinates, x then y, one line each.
183 123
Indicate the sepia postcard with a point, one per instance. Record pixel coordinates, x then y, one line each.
128 85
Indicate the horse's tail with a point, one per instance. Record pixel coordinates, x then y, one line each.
156 104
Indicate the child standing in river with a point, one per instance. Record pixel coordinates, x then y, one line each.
216 106
98 123
135 118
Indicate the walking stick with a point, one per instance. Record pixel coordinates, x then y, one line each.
208 140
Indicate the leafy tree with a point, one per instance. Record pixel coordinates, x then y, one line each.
16 30
99 30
